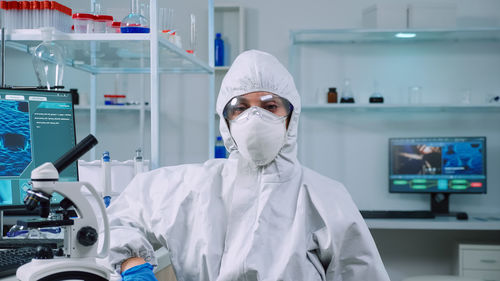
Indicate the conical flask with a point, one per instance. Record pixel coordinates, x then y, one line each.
135 22
347 95
48 61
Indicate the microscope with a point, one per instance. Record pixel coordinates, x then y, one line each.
77 259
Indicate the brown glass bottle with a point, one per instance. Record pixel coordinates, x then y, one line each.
332 95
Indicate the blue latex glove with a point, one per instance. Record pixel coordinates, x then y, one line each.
142 272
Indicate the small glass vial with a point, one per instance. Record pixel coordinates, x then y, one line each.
332 96
347 96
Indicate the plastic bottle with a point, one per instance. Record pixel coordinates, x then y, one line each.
106 178
347 96
138 163
48 61
220 149
219 50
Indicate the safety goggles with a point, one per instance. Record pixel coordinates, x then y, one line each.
271 103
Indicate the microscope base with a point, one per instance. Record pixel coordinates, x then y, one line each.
62 269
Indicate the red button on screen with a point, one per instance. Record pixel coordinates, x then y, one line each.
476 184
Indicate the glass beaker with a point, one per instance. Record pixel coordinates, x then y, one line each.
166 21
48 61
135 22
415 95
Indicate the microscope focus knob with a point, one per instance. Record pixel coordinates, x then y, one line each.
44 253
87 236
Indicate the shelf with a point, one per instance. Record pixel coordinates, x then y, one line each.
115 53
405 107
112 108
475 222
221 68
339 36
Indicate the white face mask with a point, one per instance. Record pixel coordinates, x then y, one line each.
259 135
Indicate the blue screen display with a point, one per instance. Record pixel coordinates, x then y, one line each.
35 127
447 164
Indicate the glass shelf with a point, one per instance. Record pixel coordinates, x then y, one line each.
404 107
338 36
114 53
221 68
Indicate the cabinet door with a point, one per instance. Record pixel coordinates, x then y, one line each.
486 275
481 259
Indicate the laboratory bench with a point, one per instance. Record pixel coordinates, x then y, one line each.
404 242
413 247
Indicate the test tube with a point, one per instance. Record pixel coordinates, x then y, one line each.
192 41
35 14
12 11
25 14
3 12
45 13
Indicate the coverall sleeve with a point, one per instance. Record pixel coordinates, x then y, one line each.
346 248
130 220
357 257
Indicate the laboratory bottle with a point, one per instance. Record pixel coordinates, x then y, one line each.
376 96
138 163
332 95
48 61
220 149
347 96
135 22
219 50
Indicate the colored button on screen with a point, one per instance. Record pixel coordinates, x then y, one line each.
476 184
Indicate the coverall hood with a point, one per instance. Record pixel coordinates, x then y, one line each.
257 71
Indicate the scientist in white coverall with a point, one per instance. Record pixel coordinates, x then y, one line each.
258 215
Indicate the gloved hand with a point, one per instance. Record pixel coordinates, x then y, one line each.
142 272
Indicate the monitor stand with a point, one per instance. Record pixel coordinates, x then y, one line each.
440 206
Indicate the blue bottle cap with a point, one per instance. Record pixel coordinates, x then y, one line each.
218 35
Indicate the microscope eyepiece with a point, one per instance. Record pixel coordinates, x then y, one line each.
76 152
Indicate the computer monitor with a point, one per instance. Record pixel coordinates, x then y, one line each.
439 166
36 126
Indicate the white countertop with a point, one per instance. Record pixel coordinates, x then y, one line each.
475 222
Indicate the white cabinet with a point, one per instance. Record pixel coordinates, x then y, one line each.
479 261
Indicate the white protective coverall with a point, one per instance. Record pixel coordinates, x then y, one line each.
231 220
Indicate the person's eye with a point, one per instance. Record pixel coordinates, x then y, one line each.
271 107
240 108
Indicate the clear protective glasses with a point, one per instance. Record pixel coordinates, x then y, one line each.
237 107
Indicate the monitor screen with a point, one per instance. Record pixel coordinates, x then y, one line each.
437 165
35 127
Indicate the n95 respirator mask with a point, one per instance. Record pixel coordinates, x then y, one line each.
259 134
